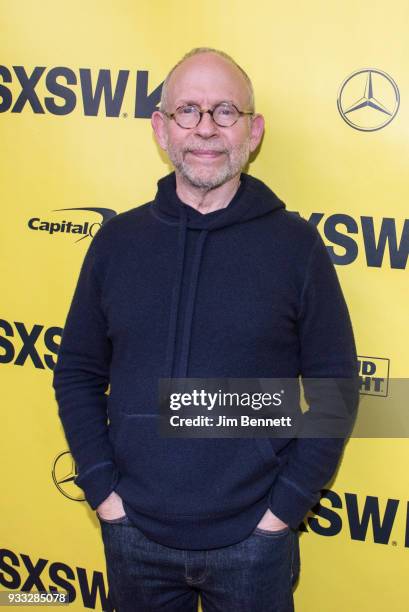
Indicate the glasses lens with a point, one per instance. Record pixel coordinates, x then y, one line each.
225 115
187 116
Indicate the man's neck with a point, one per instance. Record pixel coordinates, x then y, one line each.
206 200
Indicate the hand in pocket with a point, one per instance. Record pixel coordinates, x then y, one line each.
271 522
111 508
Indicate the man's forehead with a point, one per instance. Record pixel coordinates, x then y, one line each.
207 76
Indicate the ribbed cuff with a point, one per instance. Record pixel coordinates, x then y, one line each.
289 502
98 482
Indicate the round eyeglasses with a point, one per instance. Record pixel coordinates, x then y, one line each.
223 114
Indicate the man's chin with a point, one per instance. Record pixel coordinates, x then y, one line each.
205 179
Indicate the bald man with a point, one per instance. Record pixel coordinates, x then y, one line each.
212 279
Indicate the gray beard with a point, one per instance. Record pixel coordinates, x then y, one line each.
235 162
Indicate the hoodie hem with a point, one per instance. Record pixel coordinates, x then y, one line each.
215 530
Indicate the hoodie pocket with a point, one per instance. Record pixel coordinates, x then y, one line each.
191 476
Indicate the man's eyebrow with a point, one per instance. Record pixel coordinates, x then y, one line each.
193 103
187 103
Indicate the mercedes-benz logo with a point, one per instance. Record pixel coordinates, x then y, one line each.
368 99
64 472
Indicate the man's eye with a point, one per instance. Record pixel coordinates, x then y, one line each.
187 110
226 110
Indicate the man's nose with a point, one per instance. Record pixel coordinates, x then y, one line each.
206 127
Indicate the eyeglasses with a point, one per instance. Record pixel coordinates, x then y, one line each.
223 114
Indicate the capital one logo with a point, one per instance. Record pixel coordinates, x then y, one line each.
85 229
368 99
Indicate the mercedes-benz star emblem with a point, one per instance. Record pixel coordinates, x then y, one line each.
368 99
64 472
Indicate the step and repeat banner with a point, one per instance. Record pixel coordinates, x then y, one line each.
78 83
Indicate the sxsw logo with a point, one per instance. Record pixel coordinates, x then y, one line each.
60 90
21 572
365 518
374 375
382 239
36 344
76 227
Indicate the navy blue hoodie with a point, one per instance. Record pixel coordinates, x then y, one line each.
164 291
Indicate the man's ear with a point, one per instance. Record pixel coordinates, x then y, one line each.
159 128
256 131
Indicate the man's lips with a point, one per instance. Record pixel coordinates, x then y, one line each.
205 153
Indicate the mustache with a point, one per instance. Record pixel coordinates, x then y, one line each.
204 147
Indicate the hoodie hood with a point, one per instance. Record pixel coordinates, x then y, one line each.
252 199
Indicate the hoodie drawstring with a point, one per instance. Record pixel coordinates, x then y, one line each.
176 295
177 289
187 328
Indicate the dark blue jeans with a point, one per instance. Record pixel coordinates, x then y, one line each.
255 575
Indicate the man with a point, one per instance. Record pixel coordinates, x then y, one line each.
213 279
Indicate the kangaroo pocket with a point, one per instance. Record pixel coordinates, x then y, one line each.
199 476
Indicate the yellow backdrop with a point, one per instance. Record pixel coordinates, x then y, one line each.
77 83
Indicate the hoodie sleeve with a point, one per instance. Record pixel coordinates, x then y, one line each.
327 351
81 379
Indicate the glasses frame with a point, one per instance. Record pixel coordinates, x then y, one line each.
203 111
